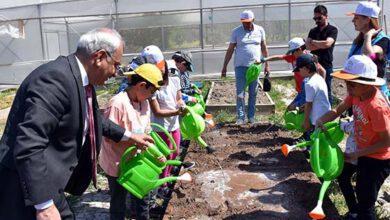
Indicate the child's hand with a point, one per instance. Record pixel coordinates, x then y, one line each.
320 124
162 159
291 107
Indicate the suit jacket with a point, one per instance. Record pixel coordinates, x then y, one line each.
42 141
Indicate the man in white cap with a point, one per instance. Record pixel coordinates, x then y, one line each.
371 114
249 41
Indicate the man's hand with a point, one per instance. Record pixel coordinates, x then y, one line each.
50 213
223 72
141 141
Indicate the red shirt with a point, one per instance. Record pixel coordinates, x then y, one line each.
371 116
298 78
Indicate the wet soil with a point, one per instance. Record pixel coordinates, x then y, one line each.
225 93
247 178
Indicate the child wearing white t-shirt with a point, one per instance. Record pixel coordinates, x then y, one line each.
317 101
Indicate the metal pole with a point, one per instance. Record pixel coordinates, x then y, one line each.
212 28
289 19
67 34
44 54
162 35
201 34
116 15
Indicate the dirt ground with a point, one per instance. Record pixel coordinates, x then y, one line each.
225 93
247 178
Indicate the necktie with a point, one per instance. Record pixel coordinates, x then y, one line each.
91 124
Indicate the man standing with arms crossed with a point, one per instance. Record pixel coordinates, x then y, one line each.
321 41
249 41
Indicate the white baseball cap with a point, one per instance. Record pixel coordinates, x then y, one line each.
294 44
369 9
247 16
153 55
360 69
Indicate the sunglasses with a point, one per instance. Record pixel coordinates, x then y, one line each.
319 18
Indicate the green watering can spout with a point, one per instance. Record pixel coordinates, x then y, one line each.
186 177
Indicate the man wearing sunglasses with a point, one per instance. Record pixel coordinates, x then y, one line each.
52 138
321 41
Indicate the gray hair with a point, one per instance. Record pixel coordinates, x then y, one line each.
99 39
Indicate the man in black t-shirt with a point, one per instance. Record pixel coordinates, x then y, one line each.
321 41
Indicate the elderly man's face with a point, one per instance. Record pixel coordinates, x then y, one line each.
247 25
106 66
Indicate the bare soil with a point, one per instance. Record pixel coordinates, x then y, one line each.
225 93
247 178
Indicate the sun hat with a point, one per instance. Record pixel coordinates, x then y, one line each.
294 44
186 56
247 16
304 60
150 72
153 55
369 9
360 69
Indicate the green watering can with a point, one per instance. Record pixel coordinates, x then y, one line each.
294 120
192 126
252 73
160 143
139 175
200 106
326 159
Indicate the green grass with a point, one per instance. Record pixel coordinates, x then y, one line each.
7 97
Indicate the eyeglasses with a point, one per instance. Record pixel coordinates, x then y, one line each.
118 67
318 18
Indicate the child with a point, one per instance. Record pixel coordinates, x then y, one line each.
317 102
183 61
371 114
130 110
296 48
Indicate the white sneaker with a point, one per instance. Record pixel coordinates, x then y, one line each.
240 122
251 121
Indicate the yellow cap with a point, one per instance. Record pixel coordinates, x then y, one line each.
150 72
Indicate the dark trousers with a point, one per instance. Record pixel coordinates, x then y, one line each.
371 173
118 202
12 204
328 81
346 187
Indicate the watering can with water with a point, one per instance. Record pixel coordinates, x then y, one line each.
192 126
252 73
326 159
294 120
139 175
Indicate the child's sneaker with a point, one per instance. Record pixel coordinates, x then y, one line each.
188 165
210 150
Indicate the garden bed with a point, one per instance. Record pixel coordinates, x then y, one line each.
222 96
247 178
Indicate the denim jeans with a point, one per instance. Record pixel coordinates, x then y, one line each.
328 80
240 73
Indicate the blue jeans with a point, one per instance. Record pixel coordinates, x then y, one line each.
329 82
240 73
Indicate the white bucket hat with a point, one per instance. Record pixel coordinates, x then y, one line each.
360 69
294 44
369 9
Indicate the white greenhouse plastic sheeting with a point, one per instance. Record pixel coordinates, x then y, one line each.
53 27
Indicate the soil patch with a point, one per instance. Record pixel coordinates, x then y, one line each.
225 93
247 178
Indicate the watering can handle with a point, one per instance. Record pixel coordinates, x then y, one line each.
316 157
167 134
329 139
125 156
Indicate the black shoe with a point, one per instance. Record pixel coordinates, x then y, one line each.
163 193
210 150
188 165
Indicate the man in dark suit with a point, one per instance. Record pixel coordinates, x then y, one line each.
54 129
